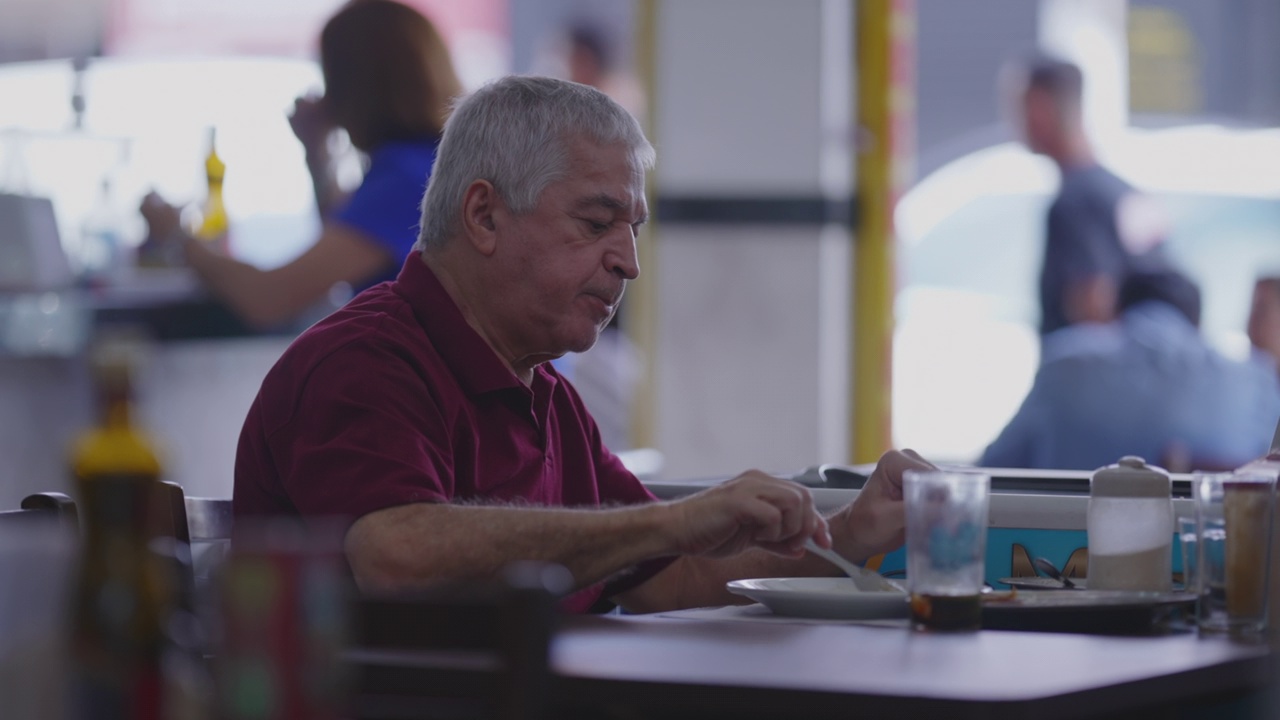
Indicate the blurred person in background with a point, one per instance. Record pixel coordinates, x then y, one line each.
1147 384
389 81
1098 226
1264 320
592 58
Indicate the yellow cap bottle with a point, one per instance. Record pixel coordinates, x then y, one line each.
121 595
213 223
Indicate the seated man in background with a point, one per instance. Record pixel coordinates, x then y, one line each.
1145 384
427 414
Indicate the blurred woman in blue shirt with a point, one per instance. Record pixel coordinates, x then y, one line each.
388 83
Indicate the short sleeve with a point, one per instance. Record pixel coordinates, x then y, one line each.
367 435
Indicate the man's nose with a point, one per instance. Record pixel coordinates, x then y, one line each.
621 258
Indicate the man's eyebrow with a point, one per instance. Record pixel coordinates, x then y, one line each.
602 200
609 202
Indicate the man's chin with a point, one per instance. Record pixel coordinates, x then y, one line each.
585 342
584 346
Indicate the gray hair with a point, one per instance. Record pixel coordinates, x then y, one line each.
515 133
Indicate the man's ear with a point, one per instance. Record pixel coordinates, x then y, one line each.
479 203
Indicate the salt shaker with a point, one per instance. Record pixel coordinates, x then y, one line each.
1130 527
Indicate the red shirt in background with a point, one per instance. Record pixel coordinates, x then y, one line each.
395 399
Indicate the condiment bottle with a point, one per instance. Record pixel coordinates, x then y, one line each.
213 223
125 663
122 593
1130 527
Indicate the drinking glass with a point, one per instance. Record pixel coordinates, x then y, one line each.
1234 513
946 547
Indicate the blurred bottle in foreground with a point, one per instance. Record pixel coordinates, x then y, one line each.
213 215
123 663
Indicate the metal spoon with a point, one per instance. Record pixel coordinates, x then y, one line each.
1048 568
864 580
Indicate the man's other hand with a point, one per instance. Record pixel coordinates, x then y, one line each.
875 522
753 509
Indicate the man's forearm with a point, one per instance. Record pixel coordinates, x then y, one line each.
412 545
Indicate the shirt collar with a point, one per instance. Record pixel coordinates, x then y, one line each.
470 359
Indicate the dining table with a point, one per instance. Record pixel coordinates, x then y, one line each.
689 666
745 663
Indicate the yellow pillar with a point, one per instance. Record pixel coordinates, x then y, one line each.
642 307
885 110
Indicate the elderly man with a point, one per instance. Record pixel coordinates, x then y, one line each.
425 411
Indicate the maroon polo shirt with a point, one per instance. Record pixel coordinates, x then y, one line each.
395 399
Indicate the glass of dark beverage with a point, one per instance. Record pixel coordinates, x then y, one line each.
946 547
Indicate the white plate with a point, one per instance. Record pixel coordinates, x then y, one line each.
821 597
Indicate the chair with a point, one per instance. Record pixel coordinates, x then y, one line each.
195 520
201 527
209 520
209 526
37 565
43 507
474 651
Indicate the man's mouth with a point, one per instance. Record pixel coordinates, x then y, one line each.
610 300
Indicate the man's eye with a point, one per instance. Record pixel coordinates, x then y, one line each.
596 227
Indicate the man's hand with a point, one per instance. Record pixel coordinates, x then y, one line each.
752 510
875 522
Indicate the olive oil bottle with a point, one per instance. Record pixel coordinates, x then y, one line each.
213 223
122 593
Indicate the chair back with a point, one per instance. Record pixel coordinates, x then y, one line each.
37 563
195 519
476 651
202 528
208 519
44 507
